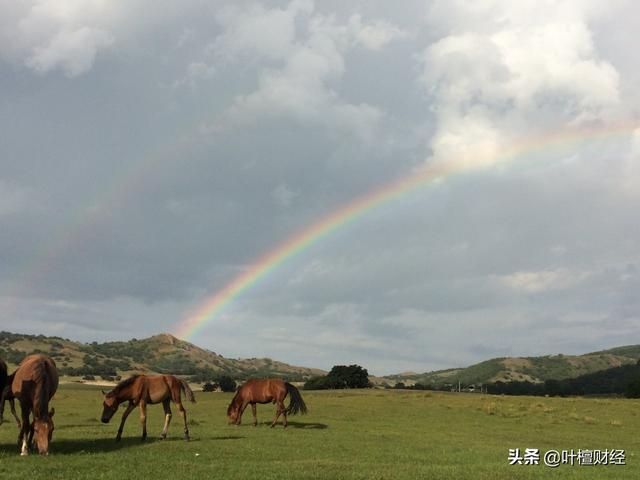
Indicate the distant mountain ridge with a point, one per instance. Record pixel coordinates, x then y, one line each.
164 353
161 353
532 369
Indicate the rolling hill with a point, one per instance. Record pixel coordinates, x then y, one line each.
161 353
532 369
165 353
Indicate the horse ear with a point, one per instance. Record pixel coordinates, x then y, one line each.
52 412
103 392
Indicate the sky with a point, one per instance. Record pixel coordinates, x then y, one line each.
150 155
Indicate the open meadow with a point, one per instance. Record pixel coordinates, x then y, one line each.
347 434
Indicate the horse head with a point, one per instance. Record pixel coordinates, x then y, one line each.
42 432
233 411
110 406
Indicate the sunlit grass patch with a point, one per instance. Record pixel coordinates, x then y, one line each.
346 435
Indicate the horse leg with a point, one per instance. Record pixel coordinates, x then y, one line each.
278 412
241 412
143 419
166 405
284 412
255 416
31 432
126 413
2 396
24 430
12 404
183 412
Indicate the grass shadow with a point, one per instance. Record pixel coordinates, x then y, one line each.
66 446
290 424
309 425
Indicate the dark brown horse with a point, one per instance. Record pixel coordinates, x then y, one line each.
34 384
5 392
268 390
7 395
141 390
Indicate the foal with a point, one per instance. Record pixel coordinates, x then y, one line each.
269 390
140 390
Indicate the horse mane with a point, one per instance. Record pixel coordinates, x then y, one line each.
41 379
125 383
44 394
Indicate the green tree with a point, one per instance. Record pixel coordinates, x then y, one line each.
351 376
340 376
633 388
227 384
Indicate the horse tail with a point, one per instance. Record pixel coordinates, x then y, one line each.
187 390
296 404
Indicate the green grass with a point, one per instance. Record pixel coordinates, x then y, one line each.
354 434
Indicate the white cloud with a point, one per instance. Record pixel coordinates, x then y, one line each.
308 64
503 65
374 35
544 280
468 140
72 51
259 31
45 35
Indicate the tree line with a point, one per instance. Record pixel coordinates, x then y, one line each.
623 380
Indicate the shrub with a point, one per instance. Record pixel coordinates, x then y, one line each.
227 384
210 387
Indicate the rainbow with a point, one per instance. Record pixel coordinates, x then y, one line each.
347 214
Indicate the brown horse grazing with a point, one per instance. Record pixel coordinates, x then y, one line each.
34 384
266 390
5 392
140 390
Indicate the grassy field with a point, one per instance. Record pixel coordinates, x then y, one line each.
369 434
